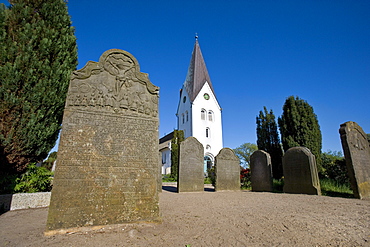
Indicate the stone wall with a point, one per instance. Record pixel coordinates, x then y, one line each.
24 201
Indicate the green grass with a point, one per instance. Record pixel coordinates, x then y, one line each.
167 178
330 187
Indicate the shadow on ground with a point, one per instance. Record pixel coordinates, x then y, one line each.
173 189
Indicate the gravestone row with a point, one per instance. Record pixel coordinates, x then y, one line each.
191 168
108 169
300 170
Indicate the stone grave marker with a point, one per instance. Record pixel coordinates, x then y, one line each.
261 171
357 154
107 171
227 170
190 173
300 172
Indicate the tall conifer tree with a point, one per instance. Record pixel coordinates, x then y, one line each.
178 137
37 55
269 141
299 127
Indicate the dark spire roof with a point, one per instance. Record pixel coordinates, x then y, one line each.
197 73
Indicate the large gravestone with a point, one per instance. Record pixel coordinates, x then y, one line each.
261 171
227 170
107 170
357 154
191 174
300 172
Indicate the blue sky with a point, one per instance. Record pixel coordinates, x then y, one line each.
257 53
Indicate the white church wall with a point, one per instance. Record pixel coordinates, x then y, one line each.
166 161
184 116
213 143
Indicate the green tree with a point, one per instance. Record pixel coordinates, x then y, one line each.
244 153
178 137
334 167
299 127
269 141
38 52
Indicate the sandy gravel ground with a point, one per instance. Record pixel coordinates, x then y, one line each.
214 219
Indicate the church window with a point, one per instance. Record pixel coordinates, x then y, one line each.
187 116
183 118
164 158
184 99
203 114
210 116
208 132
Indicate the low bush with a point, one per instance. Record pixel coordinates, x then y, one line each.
7 183
35 179
245 178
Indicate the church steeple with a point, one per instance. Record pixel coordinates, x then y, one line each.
197 74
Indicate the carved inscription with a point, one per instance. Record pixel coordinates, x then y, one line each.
113 85
227 170
357 154
107 168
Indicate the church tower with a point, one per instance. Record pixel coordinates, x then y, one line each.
198 111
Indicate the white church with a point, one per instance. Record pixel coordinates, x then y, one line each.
198 113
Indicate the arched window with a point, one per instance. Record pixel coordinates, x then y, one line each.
187 116
183 118
203 114
210 116
208 132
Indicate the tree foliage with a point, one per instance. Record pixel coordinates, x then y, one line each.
244 153
37 55
334 167
299 127
178 137
35 179
269 141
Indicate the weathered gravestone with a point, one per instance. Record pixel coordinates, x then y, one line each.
300 172
107 170
227 170
357 154
190 174
261 171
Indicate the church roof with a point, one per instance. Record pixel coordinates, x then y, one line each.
197 74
